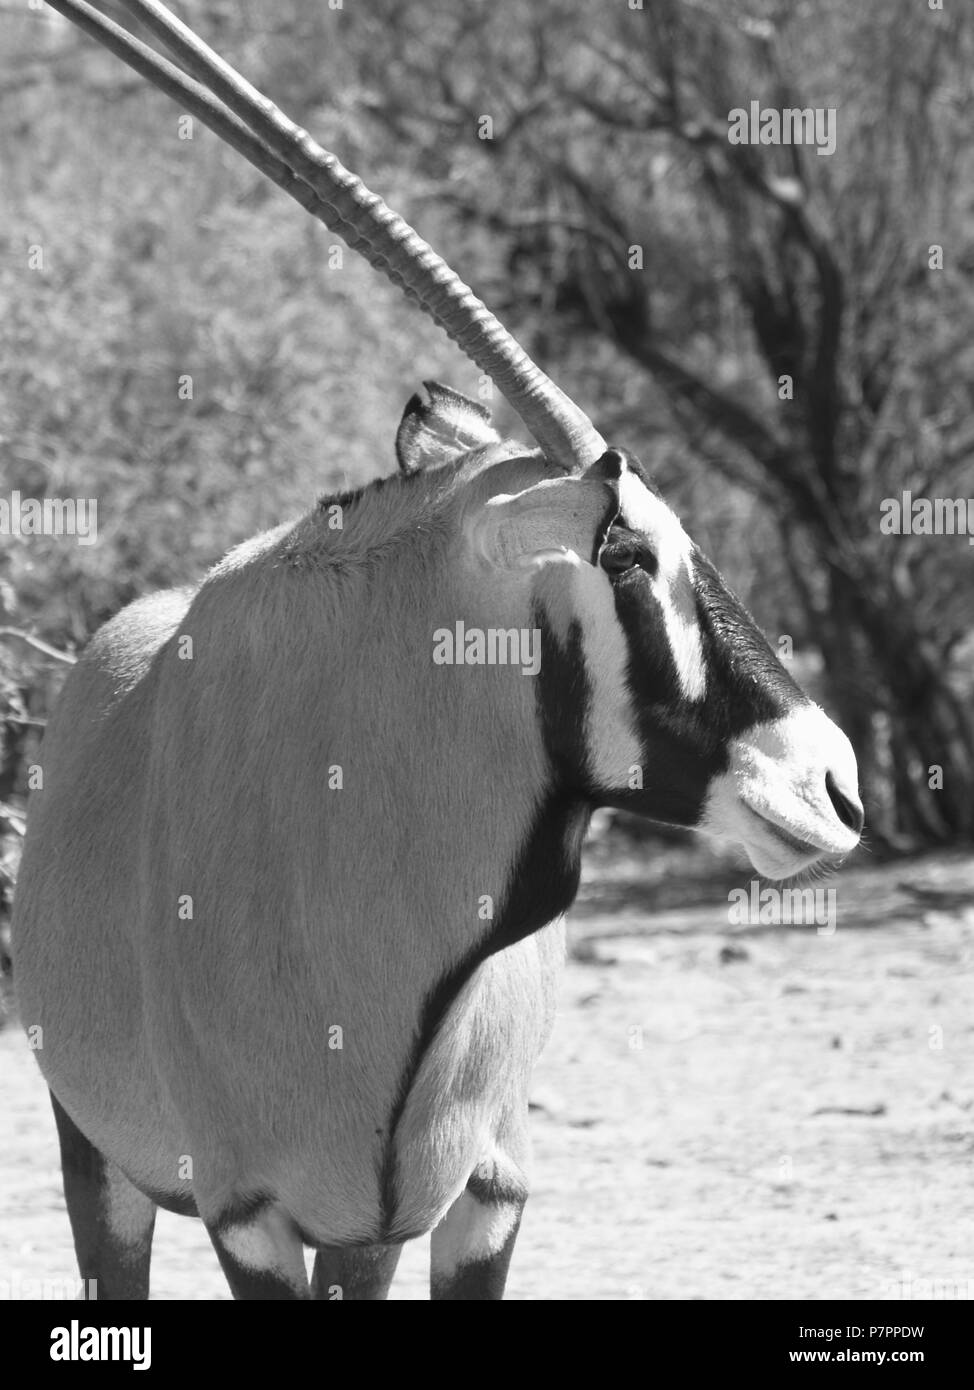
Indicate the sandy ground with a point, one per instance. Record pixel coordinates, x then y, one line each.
725 1111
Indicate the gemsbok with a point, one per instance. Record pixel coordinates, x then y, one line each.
288 925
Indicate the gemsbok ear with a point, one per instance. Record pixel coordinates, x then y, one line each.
435 431
552 520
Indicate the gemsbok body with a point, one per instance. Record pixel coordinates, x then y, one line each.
288 923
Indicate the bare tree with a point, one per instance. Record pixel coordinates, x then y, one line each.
788 307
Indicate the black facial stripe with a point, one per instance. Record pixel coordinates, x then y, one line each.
746 682
682 751
653 676
686 742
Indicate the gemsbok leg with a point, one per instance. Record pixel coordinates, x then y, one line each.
261 1253
362 1273
471 1248
111 1220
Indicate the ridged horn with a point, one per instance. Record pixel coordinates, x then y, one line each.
253 125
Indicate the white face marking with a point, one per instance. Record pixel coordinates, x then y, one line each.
673 585
776 779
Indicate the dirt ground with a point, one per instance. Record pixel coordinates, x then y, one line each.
725 1111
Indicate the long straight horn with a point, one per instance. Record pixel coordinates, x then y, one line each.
253 125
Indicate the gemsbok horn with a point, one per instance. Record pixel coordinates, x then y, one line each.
288 925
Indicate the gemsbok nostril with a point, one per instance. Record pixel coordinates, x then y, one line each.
848 809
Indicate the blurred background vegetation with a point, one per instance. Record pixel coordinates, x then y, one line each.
164 257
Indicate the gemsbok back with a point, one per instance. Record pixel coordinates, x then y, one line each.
288 924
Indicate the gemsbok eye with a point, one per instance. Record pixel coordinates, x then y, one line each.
626 552
618 559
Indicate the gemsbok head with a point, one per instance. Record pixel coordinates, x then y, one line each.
287 930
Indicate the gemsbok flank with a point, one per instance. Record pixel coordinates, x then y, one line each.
288 926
